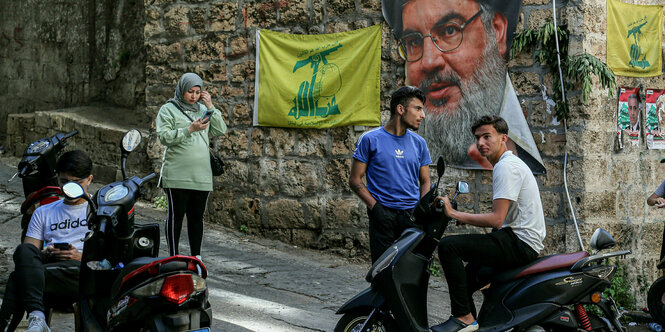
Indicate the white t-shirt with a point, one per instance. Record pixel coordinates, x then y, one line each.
59 222
513 180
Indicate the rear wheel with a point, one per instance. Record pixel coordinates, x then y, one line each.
352 321
656 300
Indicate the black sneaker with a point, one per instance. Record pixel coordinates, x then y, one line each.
455 325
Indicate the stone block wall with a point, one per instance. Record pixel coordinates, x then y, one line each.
291 184
68 53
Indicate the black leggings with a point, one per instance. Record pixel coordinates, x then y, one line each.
500 249
193 204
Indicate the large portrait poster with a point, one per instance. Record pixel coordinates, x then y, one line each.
628 113
654 117
457 54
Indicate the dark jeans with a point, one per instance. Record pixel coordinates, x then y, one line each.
500 249
35 279
193 204
385 226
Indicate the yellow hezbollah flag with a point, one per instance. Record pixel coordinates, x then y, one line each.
318 81
634 39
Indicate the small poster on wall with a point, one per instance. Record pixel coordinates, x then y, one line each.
654 118
628 114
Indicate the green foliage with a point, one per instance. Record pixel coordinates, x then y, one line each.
575 70
435 269
620 290
244 229
160 202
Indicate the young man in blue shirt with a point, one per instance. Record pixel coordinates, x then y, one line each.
395 162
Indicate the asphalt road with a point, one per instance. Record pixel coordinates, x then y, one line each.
255 284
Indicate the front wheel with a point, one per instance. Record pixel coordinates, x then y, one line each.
656 300
352 321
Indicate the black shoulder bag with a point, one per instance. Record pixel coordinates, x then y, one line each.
216 163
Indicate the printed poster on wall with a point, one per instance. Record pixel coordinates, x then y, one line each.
628 114
654 118
464 77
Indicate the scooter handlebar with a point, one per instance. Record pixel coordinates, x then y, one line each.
148 178
70 134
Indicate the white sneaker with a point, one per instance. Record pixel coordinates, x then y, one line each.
37 324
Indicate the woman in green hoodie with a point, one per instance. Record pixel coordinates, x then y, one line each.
184 125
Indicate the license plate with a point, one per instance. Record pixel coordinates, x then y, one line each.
205 329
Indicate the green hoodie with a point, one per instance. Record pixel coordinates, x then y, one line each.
186 162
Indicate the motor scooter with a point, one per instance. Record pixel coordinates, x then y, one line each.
37 172
656 293
123 285
547 294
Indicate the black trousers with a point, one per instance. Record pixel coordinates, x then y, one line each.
185 202
385 226
499 249
36 281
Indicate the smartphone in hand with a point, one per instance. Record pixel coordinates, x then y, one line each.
61 245
206 116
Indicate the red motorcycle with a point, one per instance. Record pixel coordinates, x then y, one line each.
37 172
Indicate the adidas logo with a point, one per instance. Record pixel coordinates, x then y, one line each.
399 153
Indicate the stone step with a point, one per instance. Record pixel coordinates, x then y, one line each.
101 129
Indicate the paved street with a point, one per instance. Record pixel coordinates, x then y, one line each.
255 284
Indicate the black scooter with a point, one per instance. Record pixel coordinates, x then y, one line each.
548 294
37 172
147 293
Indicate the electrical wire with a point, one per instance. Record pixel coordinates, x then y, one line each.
565 128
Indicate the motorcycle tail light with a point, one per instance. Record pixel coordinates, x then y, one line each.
199 283
602 271
177 288
150 289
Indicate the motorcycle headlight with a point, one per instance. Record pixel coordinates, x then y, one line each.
602 271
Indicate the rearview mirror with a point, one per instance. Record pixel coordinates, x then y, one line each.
440 167
601 239
462 187
72 190
131 140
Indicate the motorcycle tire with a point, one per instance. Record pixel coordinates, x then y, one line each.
351 322
656 300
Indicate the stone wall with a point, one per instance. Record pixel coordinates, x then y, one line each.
68 53
291 184
612 184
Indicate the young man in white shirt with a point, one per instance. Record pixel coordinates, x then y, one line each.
41 267
516 217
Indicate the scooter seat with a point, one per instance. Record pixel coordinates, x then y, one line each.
543 264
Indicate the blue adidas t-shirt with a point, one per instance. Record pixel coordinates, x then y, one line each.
393 166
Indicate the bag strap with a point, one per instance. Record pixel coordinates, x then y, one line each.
190 119
180 109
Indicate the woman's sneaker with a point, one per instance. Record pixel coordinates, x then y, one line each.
37 324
